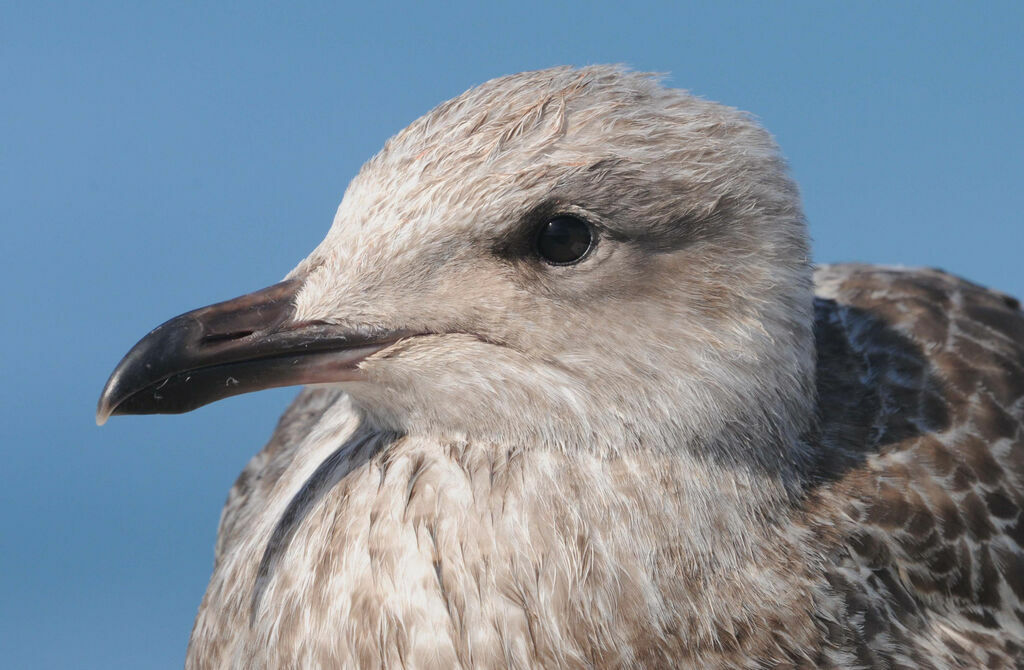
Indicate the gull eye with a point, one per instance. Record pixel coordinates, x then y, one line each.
564 240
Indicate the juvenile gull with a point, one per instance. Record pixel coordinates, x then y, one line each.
579 400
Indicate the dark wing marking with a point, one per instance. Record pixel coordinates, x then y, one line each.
261 473
921 483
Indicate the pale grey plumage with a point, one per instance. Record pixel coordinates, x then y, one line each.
644 459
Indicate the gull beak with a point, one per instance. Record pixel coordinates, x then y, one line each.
234 347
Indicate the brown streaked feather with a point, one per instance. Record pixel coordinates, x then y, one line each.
260 475
921 401
914 512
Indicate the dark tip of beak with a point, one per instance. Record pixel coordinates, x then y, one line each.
229 348
193 340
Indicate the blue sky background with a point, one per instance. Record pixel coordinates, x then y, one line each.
155 158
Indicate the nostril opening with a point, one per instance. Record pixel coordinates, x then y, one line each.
214 338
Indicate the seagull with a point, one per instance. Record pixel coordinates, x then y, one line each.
576 397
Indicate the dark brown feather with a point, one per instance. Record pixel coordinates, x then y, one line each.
921 401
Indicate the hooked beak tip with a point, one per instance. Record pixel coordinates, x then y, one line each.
103 409
234 347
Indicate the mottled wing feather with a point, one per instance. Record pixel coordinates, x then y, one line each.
921 396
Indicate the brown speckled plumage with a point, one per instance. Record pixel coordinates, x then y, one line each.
909 536
921 402
686 449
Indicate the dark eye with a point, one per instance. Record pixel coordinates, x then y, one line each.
564 240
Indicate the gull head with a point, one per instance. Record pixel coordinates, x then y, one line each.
570 258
